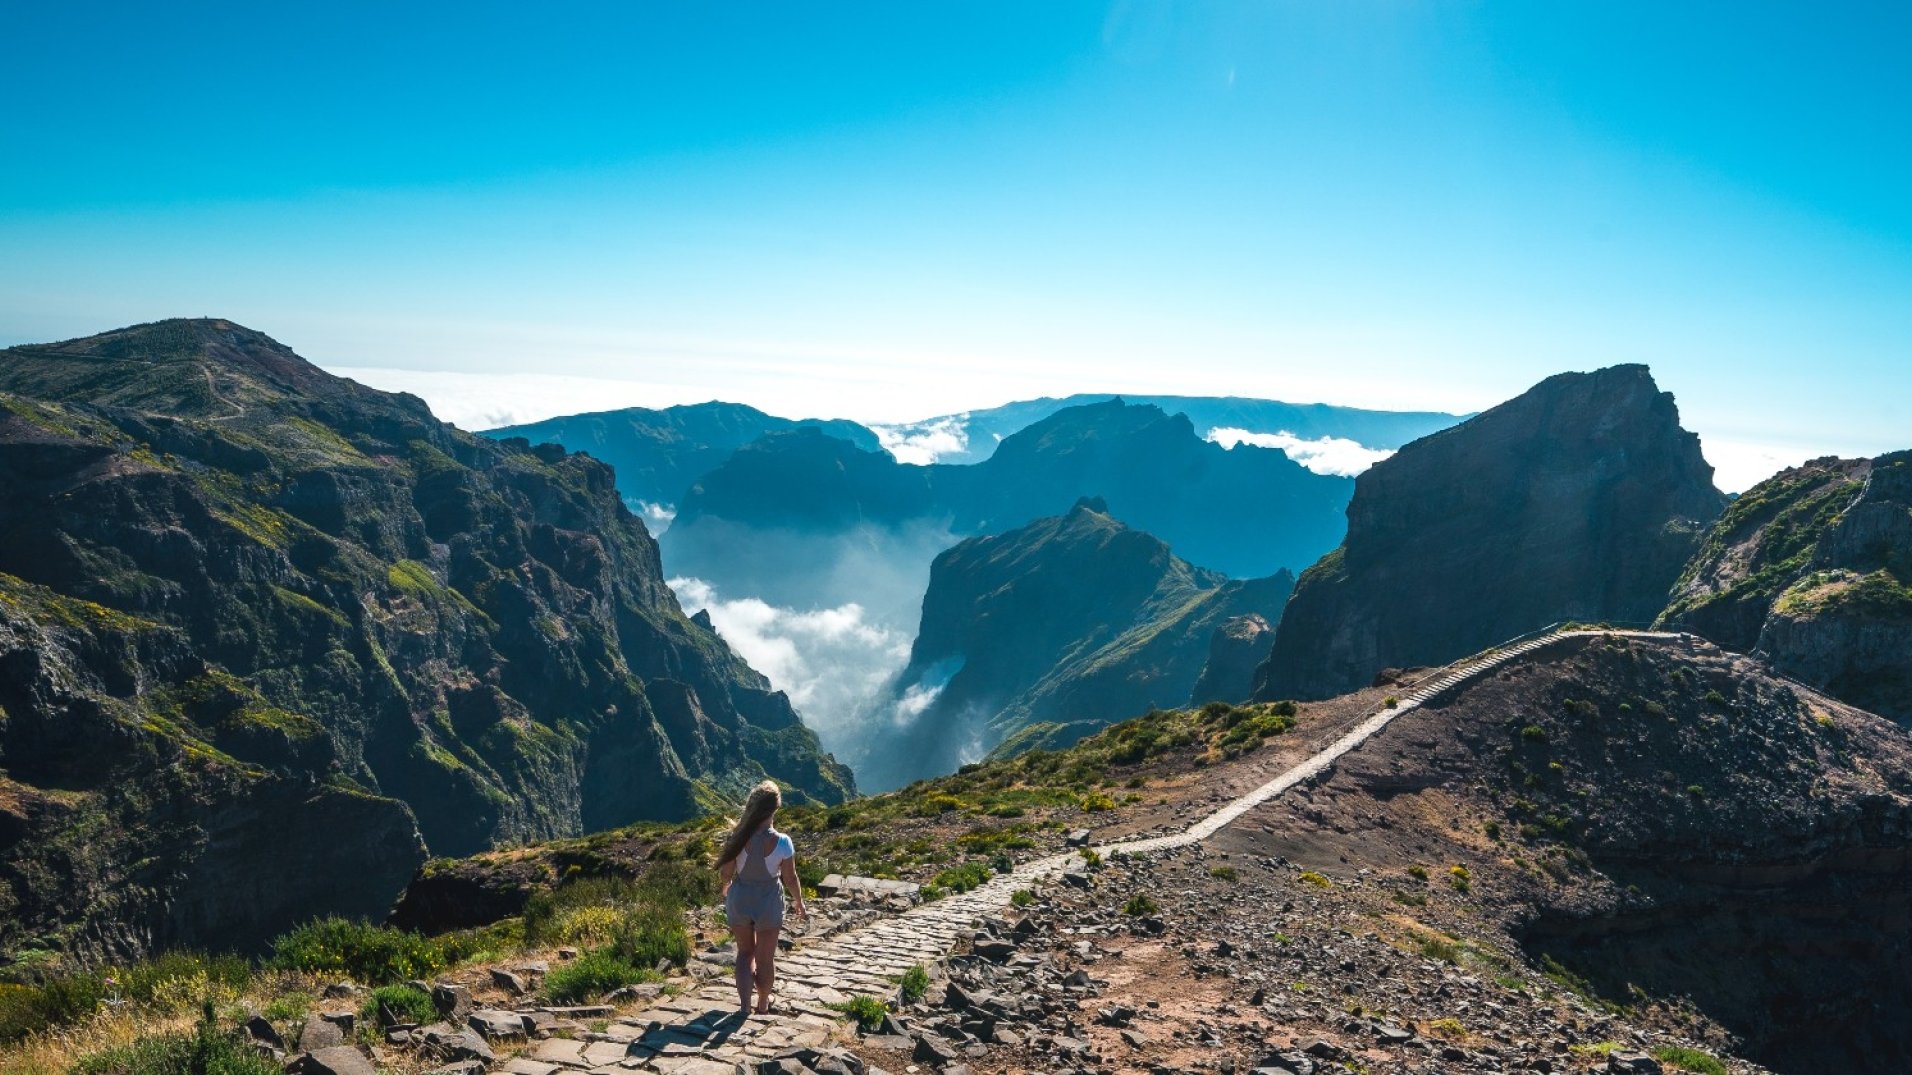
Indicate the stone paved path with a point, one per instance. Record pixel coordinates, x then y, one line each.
699 1034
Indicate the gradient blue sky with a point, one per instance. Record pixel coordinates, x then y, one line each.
887 211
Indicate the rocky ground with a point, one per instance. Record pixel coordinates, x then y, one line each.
1193 960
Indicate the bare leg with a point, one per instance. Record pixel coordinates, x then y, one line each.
746 954
766 966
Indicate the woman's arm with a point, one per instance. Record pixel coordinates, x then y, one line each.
724 873
794 886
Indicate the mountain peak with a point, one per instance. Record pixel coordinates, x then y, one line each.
1093 504
208 368
1581 498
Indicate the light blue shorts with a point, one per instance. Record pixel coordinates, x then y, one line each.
755 903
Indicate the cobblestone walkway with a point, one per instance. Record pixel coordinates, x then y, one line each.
700 1033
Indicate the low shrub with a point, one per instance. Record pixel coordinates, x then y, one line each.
373 955
62 1001
915 983
1460 878
1686 1059
649 935
182 981
1138 905
868 1011
1309 877
1223 873
960 878
1439 949
406 1003
1022 897
591 975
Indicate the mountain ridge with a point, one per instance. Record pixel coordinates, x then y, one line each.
275 586
1810 570
659 453
983 429
1043 634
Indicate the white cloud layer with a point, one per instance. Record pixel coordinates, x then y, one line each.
1738 465
1323 455
923 443
833 662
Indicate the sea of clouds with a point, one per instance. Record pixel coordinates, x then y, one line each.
1323 455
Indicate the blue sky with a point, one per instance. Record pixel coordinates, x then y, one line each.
887 211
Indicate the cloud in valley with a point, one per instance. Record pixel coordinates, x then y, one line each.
833 662
923 443
1323 455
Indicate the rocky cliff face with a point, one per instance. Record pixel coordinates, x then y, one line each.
659 454
1810 569
261 626
1049 632
1579 500
1235 649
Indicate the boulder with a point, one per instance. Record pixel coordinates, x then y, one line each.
453 1043
319 1033
260 1030
498 1025
993 949
453 1001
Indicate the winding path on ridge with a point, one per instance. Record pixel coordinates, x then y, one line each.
697 1034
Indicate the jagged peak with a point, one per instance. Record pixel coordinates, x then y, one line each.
1093 504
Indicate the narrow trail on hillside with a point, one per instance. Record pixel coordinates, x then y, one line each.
697 1033
212 387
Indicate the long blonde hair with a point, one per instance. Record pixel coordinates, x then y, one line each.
764 800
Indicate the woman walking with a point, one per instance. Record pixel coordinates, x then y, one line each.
756 865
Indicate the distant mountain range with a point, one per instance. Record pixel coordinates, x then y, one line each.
1246 511
1052 631
269 637
972 436
658 454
